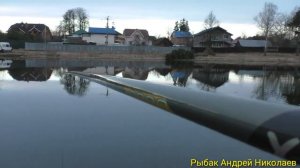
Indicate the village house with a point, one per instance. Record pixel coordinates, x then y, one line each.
216 37
182 38
136 37
39 32
101 36
252 43
75 38
79 33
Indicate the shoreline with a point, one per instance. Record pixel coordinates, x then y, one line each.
248 59
255 59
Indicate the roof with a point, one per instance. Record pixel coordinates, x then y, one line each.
128 32
30 74
181 34
27 27
212 29
96 30
80 32
253 43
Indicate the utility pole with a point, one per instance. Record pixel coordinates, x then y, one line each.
107 27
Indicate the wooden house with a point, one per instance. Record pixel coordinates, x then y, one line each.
39 32
216 37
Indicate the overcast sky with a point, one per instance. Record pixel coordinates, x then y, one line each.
157 16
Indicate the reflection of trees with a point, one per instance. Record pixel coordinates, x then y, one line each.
275 84
30 74
269 86
60 72
291 91
75 85
104 70
135 73
210 78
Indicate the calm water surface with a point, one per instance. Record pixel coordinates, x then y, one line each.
51 119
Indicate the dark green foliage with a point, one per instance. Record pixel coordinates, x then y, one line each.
179 54
295 22
183 25
176 28
17 39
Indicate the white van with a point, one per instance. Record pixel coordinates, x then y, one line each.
5 46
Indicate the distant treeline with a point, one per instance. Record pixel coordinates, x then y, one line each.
246 49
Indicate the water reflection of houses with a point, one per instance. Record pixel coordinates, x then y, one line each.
30 74
163 71
136 73
252 73
104 70
211 78
180 76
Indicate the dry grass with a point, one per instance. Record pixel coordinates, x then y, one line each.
278 59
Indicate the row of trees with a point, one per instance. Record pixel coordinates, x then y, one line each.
73 19
210 22
277 25
182 25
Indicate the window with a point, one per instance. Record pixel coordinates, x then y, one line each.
226 36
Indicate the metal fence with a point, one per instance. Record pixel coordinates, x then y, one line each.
100 49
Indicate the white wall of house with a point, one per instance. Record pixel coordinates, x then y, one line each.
99 39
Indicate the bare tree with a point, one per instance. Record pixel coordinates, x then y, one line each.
82 18
73 19
281 27
60 30
266 20
69 21
211 21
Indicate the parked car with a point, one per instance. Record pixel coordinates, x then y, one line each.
5 47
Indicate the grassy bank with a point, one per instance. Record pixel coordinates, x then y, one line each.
276 59
23 54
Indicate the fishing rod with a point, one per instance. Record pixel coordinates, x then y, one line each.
271 127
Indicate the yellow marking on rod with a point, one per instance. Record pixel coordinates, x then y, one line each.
155 100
